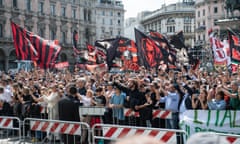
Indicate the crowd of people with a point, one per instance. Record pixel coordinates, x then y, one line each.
63 92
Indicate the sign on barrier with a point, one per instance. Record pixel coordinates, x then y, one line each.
113 132
162 114
94 111
57 127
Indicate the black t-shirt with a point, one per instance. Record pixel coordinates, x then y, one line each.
100 100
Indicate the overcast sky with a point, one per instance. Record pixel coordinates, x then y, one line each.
132 7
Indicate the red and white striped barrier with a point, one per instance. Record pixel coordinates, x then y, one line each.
56 127
6 122
233 140
163 114
113 132
118 133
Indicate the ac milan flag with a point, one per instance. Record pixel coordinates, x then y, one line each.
32 47
234 44
75 43
148 52
169 54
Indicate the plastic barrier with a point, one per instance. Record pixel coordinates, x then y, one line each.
65 129
113 133
10 128
163 114
231 138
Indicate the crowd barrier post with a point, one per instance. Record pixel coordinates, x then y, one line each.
11 128
116 132
57 127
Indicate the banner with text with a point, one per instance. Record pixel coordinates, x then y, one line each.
224 121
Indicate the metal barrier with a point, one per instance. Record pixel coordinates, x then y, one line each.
113 133
70 131
231 138
10 128
158 117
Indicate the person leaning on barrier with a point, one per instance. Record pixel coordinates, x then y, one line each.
69 111
132 91
218 103
171 99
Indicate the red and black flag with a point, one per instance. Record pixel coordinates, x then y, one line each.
149 54
90 47
183 56
24 48
234 44
75 43
169 53
33 47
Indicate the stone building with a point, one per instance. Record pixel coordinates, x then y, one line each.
208 12
50 19
171 19
109 19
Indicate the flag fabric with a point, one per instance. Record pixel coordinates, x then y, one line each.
169 53
219 49
95 54
24 48
234 45
75 43
33 47
149 53
121 53
182 55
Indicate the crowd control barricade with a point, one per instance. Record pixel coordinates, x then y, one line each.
114 132
158 117
10 129
231 138
66 132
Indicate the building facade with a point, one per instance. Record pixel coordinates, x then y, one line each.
50 19
134 22
208 12
109 19
171 19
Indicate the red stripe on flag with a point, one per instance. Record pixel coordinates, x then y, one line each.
139 131
54 127
35 126
65 126
124 132
110 132
45 126
154 133
74 129
1 120
167 136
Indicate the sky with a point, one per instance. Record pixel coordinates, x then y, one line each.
133 7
